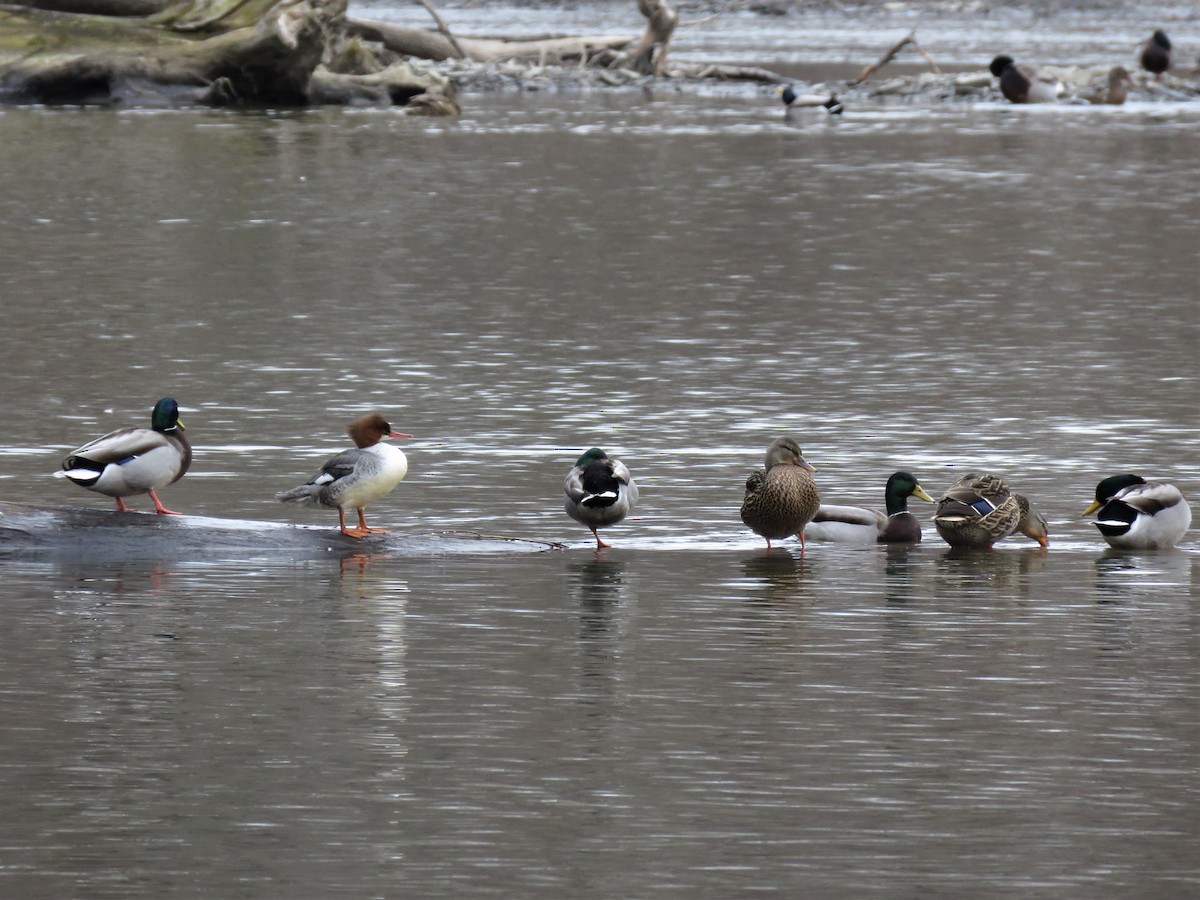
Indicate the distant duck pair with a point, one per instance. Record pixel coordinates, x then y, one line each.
1025 84
132 461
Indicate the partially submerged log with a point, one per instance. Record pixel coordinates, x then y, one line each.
91 534
432 45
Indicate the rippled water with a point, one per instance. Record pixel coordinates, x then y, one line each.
677 280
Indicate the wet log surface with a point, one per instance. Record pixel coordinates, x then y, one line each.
92 534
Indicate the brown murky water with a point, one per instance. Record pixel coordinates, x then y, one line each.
677 280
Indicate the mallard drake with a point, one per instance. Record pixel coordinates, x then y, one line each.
132 460
600 492
354 478
1135 514
979 510
1156 54
856 525
793 101
781 498
1023 84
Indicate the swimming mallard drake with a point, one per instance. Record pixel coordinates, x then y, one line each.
353 478
793 101
1136 514
1156 54
133 460
600 492
782 498
979 510
857 525
1023 84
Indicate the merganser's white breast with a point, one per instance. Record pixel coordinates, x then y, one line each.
377 470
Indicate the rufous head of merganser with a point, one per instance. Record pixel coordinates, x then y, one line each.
370 429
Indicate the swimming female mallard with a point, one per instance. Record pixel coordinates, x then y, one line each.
1023 84
132 461
979 510
1136 514
782 498
600 492
1156 54
856 525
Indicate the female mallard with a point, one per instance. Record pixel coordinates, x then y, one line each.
1023 84
1156 54
856 525
1136 514
782 498
600 492
979 510
354 478
132 460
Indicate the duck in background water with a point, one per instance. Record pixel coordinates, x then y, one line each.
354 478
131 461
1023 84
1156 54
857 525
600 492
1135 514
781 498
979 510
794 102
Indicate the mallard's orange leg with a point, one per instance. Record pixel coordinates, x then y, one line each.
121 507
160 509
600 545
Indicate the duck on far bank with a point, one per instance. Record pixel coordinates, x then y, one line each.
1117 87
354 478
782 497
858 525
979 509
793 101
1135 514
1023 84
1156 55
599 491
132 460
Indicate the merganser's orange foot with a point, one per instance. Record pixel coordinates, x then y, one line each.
378 531
355 532
163 511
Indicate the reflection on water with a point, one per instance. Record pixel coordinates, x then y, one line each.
683 714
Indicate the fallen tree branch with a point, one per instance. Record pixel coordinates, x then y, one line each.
910 38
443 28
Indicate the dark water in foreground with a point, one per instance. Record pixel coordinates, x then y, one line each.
677 281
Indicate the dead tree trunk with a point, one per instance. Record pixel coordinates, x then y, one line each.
650 55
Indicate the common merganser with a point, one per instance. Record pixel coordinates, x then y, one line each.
133 460
600 492
354 478
782 497
1135 514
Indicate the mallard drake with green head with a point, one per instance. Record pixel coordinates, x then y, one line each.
1023 84
1135 514
131 461
1156 55
979 510
859 525
600 492
782 497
